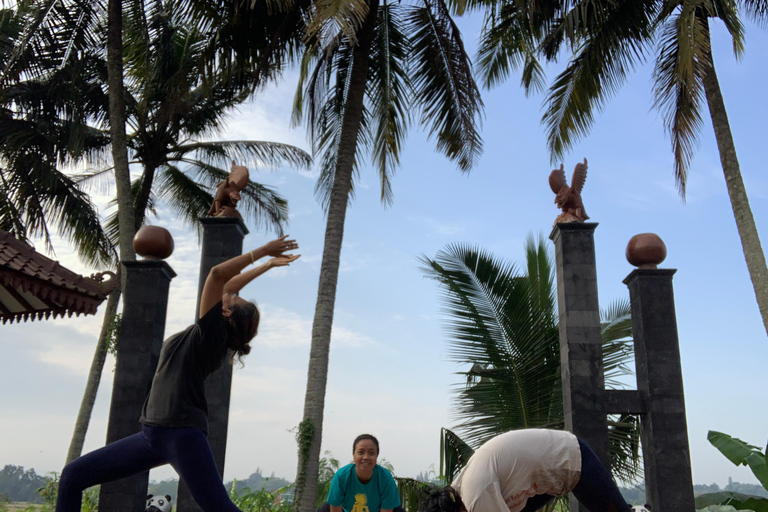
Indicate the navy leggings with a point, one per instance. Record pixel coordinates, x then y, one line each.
186 449
596 489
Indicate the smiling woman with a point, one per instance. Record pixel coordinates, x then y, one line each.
363 486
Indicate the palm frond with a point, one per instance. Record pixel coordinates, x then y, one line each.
388 88
596 71
446 92
618 348
504 325
254 153
111 221
454 454
757 10
11 218
187 199
41 199
496 324
310 55
332 16
55 32
624 440
253 41
507 43
727 12
325 102
191 199
678 83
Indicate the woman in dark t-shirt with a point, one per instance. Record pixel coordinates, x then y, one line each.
175 414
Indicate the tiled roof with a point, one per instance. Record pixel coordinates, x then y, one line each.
33 286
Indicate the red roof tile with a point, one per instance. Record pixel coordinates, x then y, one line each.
35 286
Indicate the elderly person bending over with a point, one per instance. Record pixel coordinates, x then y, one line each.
523 470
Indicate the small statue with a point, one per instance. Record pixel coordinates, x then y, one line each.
569 198
228 193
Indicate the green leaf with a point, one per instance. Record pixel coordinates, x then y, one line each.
734 449
734 499
502 325
757 464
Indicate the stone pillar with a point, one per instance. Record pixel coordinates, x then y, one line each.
581 347
222 240
666 454
145 304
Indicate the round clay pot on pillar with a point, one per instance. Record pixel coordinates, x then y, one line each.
153 243
646 250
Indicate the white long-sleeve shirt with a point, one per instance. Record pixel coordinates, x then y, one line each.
512 467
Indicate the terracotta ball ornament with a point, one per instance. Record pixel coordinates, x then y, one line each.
153 243
646 250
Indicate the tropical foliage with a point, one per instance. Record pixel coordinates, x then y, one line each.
741 454
56 115
607 40
502 323
369 69
261 500
57 110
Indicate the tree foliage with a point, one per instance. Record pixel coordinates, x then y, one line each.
57 116
502 324
20 484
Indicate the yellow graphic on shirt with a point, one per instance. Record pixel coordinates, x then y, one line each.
361 503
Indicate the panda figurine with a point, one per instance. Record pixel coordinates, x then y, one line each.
641 508
158 503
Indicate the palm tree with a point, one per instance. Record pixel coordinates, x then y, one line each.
171 109
174 103
503 324
44 125
367 66
608 39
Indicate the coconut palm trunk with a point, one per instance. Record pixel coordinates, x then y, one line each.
125 213
317 375
94 378
745 221
117 119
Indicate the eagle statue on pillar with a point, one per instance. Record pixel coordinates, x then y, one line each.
569 198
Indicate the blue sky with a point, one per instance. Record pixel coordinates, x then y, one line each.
388 370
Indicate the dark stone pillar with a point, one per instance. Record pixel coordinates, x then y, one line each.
222 240
145 304
666 454
581 347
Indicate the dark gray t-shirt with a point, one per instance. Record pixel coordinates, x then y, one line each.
177 395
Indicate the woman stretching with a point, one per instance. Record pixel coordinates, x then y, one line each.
175 414
523 470
363 486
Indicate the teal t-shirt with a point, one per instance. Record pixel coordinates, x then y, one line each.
353 496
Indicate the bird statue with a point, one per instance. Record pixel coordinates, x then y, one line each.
228 193
569 198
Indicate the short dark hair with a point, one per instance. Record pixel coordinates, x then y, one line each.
444 500
363 437
243 325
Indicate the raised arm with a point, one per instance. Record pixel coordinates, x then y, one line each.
226 277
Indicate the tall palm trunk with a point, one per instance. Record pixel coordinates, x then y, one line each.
142 200
94 378
745 221
125 214
117 120
317 375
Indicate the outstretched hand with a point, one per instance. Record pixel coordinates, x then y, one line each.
283 260
277 247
